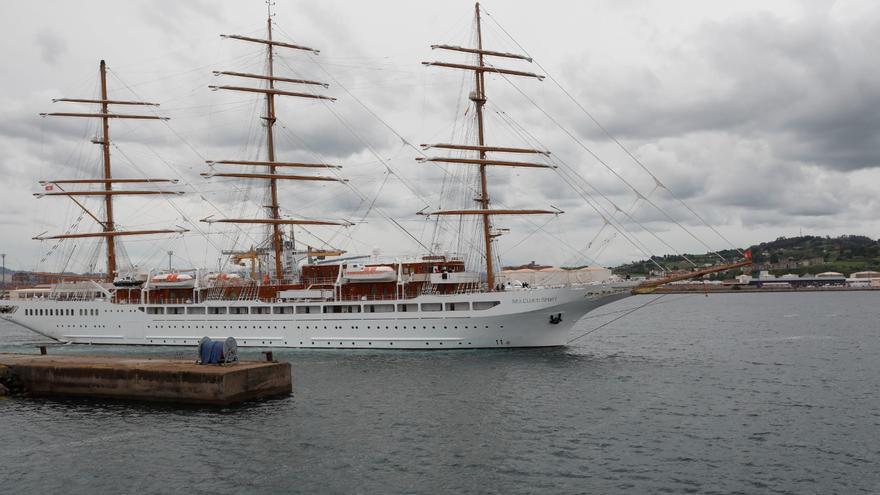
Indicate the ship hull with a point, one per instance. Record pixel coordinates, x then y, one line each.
527 318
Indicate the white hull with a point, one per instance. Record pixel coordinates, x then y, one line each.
522 318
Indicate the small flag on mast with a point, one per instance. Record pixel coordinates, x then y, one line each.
49 187
748 254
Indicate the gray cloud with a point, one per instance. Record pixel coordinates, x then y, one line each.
761 117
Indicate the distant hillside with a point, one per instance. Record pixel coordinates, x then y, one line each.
799 255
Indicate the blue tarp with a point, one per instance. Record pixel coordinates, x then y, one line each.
210 351
218 351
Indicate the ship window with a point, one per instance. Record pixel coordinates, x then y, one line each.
238 310
458 306
379 308
342 308
308 309
403 308
262 310
480 305
155 311
174 310
432 307
217 311
195 311
282 310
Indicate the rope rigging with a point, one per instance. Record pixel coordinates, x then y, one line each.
573 176
608 134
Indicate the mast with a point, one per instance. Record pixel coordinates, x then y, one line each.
109 232
270 149
109 225
479 99
273 218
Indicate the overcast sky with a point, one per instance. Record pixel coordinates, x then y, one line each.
762 116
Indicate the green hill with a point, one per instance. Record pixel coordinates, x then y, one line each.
799 255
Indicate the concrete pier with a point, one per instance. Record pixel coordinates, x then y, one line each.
147 379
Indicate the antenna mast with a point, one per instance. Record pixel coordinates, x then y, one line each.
479 99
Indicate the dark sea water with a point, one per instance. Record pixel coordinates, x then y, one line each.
734 393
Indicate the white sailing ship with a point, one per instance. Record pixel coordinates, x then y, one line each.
427 302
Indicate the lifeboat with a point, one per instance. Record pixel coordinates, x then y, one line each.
360 273
130 280
172 280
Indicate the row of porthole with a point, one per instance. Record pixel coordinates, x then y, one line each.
213 327
60 312
244 342
80 326
387 327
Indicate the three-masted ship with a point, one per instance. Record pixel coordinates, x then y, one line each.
311 298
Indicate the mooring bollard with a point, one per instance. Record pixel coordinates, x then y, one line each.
269 357
43 350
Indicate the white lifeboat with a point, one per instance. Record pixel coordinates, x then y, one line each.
172 280
360 273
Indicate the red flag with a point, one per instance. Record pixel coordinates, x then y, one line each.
748 254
